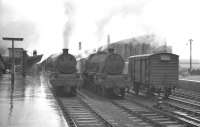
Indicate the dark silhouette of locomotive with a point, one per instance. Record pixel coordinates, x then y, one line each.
103 73
61 71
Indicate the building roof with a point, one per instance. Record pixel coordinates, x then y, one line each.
17 48
149 55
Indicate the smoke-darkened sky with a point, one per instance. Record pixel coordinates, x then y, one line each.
50 25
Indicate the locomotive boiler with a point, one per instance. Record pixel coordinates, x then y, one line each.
61 70
103 72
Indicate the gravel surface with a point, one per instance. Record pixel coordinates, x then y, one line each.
148 101
109 111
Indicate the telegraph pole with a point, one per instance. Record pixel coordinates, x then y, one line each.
108 40
79 46
190 40
79 50
13 57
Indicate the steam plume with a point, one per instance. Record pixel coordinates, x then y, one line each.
69 11
89 21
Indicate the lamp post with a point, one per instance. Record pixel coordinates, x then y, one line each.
13 57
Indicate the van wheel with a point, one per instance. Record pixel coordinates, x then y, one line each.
122 92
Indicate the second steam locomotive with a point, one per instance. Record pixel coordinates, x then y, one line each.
103 72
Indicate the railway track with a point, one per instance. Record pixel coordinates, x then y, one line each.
144 116
183 107
185 111
148 117
79 113
187 94
185 101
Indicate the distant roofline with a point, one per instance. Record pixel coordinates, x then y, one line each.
152 54
15 48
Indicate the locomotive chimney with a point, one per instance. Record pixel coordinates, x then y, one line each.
34 53
111 50
65 51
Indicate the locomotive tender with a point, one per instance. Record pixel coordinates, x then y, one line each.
61 71
103 72
154 72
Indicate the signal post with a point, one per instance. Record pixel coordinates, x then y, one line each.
13 57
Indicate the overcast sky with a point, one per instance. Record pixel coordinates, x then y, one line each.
50 25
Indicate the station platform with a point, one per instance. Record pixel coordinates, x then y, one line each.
29 104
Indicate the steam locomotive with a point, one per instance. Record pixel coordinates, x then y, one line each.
62 73
103 73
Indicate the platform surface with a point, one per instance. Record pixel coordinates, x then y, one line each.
29 104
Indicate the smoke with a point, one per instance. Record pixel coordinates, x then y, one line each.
48 25
69 25
90 21
122 10
10 26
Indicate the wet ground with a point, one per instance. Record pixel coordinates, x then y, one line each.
29 103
